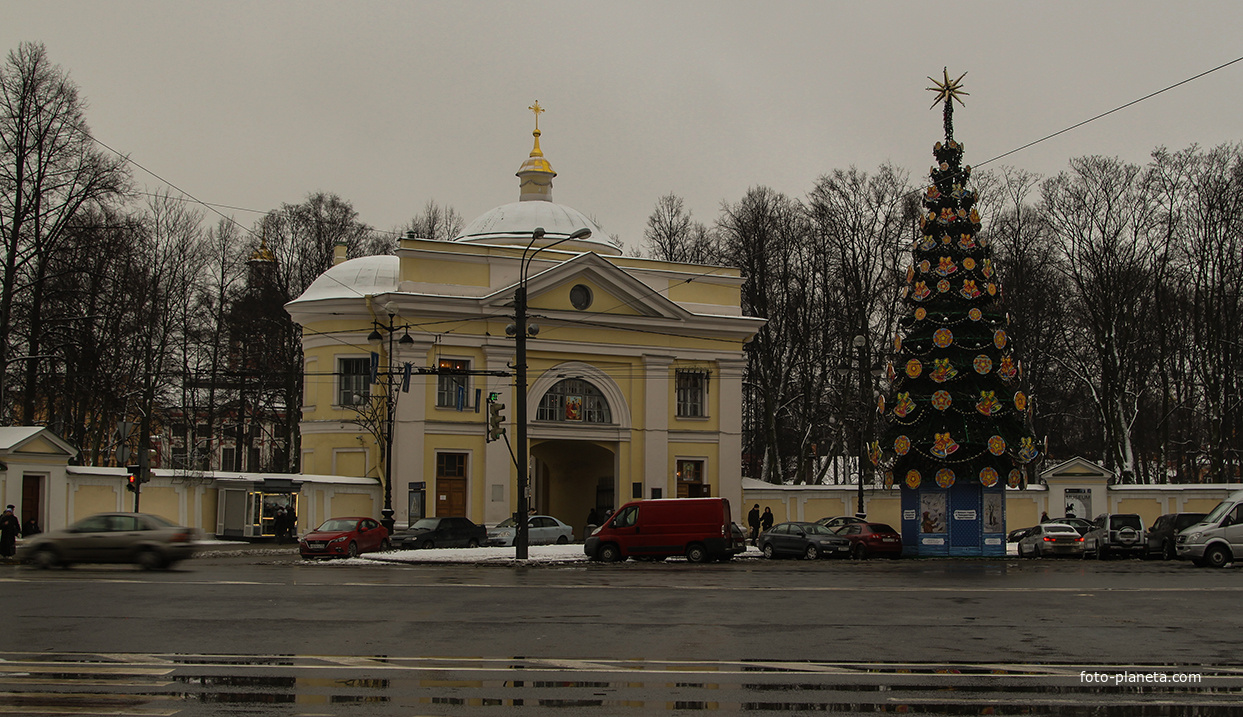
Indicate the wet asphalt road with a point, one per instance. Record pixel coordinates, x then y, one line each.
273 617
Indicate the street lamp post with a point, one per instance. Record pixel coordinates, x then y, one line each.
521 537
390 399
864 424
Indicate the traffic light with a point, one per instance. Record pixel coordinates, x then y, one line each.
496 421
131 484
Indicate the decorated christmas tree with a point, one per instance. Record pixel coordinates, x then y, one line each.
957 421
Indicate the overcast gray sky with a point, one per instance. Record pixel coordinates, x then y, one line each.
390 104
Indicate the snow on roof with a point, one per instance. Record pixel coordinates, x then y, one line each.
355 278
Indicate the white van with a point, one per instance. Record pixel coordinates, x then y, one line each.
1216 540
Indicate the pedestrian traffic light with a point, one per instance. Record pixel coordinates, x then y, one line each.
496 421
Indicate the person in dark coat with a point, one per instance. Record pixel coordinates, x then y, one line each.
766 520
753 522
30 527
10 528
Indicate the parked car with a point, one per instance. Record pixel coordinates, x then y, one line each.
1163 535
1216 540
868 539
345 538
1051 539
1115 533
699 528
809 540
1081 525
541 530
1017 534
835 523
452 532
150 541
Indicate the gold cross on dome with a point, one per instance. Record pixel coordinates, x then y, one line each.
948 90
537 110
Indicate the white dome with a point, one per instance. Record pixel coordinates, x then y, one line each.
355 278
513 224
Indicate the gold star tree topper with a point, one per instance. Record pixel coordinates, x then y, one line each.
948 90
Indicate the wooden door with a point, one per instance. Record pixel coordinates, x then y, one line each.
450 496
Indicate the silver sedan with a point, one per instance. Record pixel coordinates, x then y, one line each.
1051 539
541 530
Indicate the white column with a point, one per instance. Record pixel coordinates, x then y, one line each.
409 424
657 383
729 447
497 470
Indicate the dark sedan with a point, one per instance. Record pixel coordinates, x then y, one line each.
443 533
868 539
808 540
1081 525
834 523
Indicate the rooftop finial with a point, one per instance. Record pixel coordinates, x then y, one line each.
538 111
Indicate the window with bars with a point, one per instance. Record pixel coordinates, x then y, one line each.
574 400
692 393
353 380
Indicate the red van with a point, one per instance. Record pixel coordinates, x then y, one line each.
699 528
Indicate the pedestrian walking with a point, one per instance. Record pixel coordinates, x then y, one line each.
766 520
10 528
1044 516
753 522
30 527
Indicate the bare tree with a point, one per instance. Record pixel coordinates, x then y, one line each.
1100 215
672 235
49 171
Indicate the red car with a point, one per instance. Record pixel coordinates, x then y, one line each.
868 539
345 537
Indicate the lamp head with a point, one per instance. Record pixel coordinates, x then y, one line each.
583 233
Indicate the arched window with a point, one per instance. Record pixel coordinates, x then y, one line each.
574 400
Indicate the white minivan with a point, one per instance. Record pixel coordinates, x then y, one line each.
1216 540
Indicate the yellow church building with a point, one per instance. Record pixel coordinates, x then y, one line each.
634 373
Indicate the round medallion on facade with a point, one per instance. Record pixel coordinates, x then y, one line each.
988 477
968 263
999 338
581 297
982 364
943 285
941 400
1015 477
945 478
912 479
914 368
943 338
996 445
901 445
1020 400
975 314
921 313
924 266
888 480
